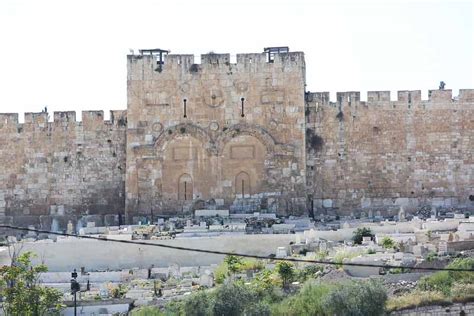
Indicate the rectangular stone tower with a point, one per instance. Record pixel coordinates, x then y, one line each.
215 133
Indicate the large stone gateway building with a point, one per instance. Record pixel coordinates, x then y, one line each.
242 135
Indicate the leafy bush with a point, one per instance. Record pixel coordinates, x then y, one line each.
356 298
309 301
251 264
147 311
220 273
443 281
234 299
344 254
431 256
361 232
198 304
388 243
460 276
353 298
437 282
308 272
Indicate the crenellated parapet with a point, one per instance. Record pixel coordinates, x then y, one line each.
142 67
62 120
407 98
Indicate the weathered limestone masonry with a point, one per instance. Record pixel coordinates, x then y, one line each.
230 134
243 136
381 154
53 172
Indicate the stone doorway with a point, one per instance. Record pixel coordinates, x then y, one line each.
242 185
185 187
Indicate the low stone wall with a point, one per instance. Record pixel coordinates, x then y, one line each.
71 253
435 310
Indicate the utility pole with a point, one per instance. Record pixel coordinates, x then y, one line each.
75 287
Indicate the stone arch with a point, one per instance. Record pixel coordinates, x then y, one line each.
242 185
192 130
245 129
185 187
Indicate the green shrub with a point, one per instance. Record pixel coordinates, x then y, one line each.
461 276
342 254
233 299
437 282
147 311
309 301
221 273
388 243
431 256
361 232
251 264
356 298
443 281
307 272
200 303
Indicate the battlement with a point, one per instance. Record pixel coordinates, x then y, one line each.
404 96
90 120
64 117
185 61
8 119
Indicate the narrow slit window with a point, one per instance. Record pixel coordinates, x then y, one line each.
184 108
242 100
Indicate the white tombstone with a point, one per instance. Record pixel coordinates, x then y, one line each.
188 223
366 240
31 233
281 252
323 246
206 279
401 214
174 271
70 228
90 224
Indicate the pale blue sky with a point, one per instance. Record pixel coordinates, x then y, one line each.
71 55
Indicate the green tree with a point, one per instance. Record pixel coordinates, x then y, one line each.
21 291
359 233
286 271
233 264
388 243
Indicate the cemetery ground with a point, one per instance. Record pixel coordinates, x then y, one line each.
244 286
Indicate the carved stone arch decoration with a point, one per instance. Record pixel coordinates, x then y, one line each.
185 129
245 129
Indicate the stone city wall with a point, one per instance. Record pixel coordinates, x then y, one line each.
381 154
52 172
242 136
